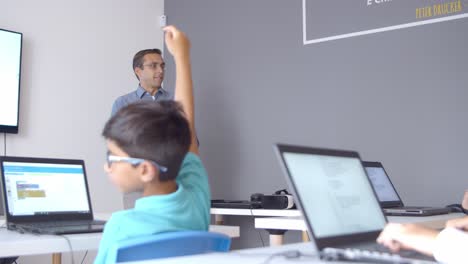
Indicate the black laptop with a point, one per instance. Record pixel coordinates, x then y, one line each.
47 196
341 210
388 197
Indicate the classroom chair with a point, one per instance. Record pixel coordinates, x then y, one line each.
170 244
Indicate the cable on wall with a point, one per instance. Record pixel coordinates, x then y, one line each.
259 234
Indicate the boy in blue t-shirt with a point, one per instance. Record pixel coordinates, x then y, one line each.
152 148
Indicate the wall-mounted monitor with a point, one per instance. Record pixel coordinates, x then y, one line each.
10 79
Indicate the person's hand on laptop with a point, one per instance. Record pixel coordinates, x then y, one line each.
459 223
465 200
408 236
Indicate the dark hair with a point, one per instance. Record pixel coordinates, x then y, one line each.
149 130
138 58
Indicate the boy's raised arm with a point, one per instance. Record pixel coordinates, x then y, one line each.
179 46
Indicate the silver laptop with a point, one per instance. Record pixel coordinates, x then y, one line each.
47 196
341 210
388 196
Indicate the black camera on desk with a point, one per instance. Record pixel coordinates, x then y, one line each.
280 200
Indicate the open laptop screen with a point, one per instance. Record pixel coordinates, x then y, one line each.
44 188
383 186
335 194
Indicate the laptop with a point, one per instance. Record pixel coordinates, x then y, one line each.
47 196
388 197
239 204
2 210
338 203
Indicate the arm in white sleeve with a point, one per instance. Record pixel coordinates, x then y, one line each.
451 246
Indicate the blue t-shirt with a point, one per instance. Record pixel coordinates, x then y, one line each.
188 208
139 94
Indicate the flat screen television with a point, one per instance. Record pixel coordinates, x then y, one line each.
10 78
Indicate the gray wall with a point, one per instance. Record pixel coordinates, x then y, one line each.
77 58
399 97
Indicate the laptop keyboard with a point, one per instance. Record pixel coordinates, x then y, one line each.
403 253
373 256
59 227
67 223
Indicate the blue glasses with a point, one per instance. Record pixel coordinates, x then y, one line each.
133 161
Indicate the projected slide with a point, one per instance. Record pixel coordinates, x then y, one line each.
325 20
10 57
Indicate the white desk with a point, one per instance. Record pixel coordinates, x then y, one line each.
16 244
231 231
269 255
219 213
247 256
255 212
434 221
276 235
298 223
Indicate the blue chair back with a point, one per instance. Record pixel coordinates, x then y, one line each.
170 244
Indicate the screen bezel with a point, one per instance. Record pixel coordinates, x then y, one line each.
13 129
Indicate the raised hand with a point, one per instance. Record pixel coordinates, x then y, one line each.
177 42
